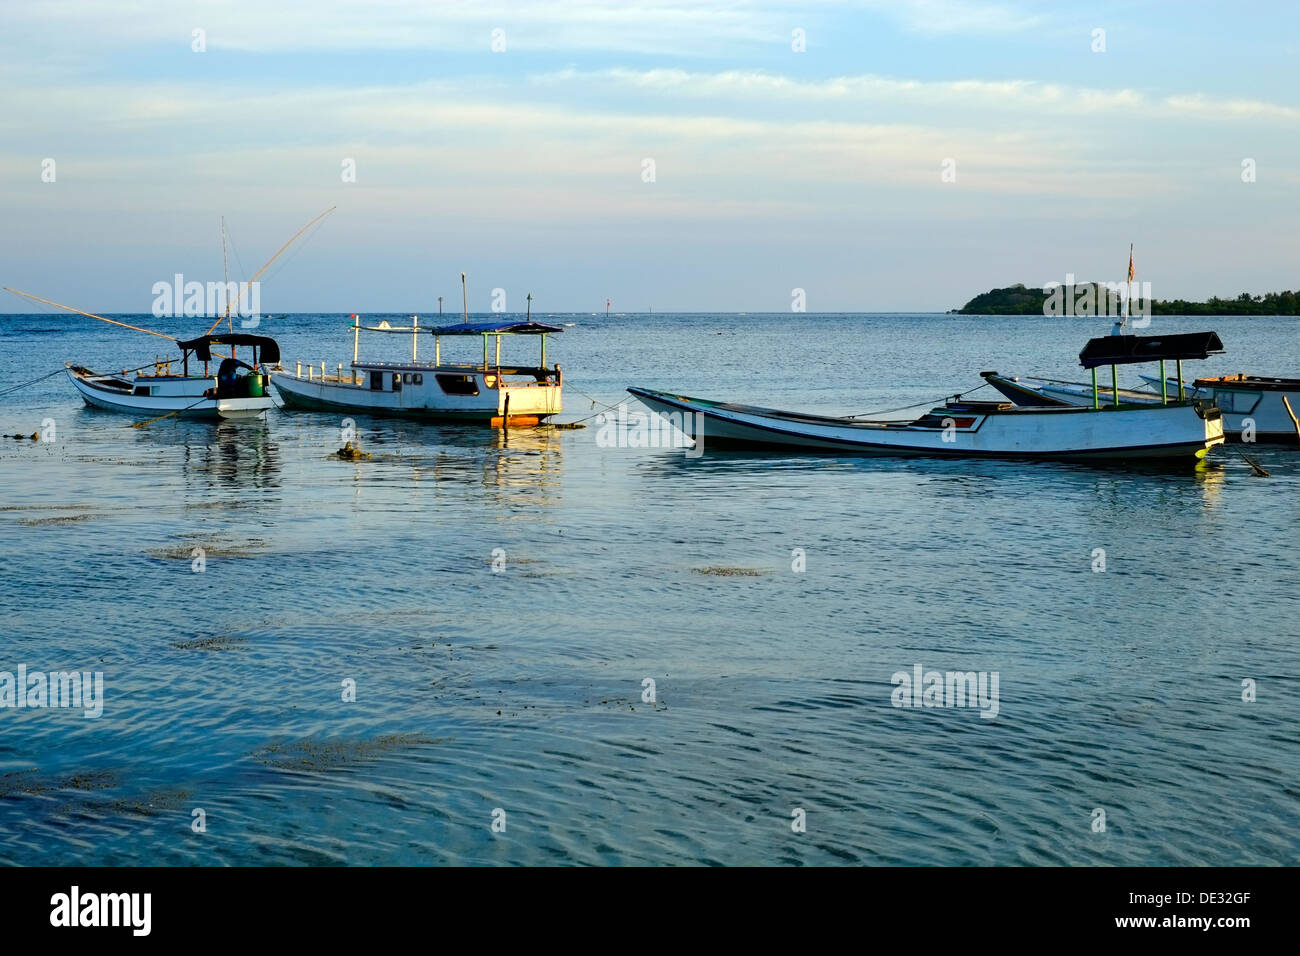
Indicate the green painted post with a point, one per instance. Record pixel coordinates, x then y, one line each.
1164 385
1180 380
1114 384
1096 403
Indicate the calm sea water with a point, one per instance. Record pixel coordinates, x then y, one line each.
522 691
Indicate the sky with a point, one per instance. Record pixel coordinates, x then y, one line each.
662 154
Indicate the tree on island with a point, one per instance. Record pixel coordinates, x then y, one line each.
1021 300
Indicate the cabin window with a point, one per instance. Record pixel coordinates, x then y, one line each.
397 381
458 384
417 379
143 390
1239 402
376 381
406 378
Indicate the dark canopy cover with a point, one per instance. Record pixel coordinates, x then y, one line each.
202 346
513 327
1130 349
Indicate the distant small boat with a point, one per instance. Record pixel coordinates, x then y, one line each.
238 390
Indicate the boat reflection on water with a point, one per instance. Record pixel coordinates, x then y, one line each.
226 457
524 457
1152 482
513 460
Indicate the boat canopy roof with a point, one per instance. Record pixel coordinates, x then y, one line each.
1131 349
202 346
514 327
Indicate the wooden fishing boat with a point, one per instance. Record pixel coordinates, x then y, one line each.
236 390
961 429
1254 402
1249 403
486 391
970 429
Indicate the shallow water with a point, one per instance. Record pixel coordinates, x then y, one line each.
522 690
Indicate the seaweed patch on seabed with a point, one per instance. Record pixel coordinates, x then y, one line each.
44 507
224 504
31 782
221 642
144 806
622 703
56 519
251 548
334 754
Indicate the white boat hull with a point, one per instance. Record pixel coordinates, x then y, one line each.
965 430
422 390
161 395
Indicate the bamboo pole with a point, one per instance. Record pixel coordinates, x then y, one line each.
91 315
1293 418
1255 467
272 259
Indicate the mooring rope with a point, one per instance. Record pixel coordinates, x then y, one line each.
931 404
14 388
150 421
594 401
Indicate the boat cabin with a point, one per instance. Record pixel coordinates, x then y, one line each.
235 378
1116 350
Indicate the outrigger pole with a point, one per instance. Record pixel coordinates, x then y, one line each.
230 305
91 315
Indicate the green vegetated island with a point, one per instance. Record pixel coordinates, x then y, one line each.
1027 300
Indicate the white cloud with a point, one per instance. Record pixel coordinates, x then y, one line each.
647 26
1028 96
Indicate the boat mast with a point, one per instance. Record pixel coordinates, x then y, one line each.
464 295
225 266
276 256
1128 292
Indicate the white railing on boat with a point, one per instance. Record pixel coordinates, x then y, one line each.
353 377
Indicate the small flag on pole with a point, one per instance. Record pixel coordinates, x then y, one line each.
1130 263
